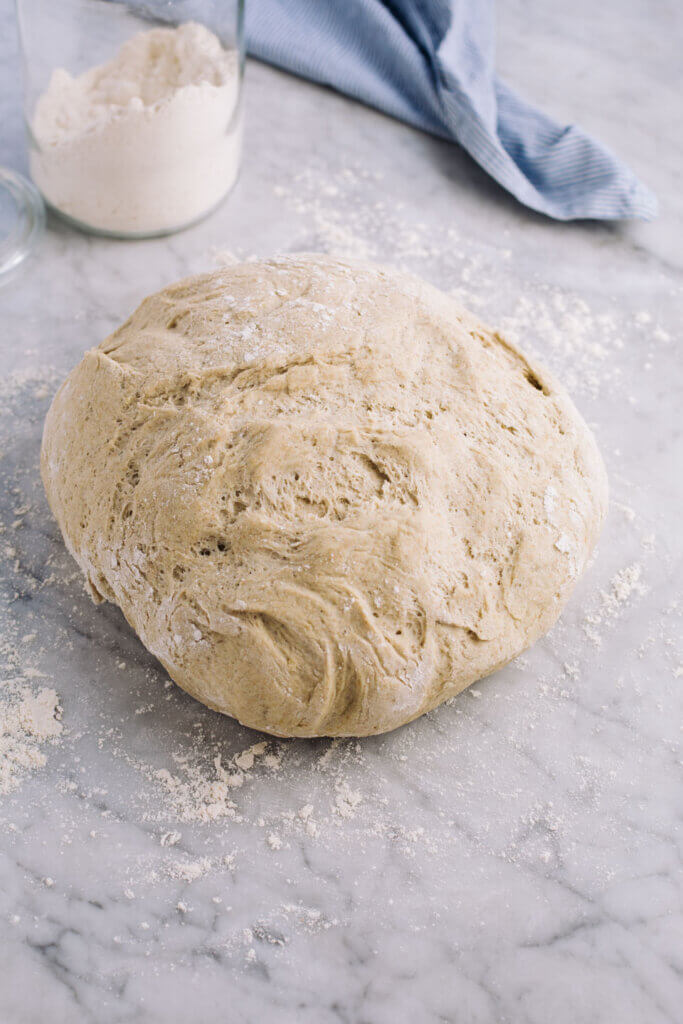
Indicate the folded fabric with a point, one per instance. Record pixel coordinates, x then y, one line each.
431 63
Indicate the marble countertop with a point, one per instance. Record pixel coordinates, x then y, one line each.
514 856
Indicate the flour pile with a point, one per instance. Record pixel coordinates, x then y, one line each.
28 719
147 142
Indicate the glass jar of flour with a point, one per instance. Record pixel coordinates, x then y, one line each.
133 109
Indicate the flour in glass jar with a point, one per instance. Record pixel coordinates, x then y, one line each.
146 143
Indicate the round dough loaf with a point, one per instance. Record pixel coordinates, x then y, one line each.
325 496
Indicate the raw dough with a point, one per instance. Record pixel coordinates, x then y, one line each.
325 496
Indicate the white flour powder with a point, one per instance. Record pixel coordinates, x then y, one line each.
147 142
27 720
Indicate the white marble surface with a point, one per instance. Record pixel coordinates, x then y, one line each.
513 857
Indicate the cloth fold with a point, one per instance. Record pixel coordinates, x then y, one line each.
431 63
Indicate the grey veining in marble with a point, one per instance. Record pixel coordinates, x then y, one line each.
513 857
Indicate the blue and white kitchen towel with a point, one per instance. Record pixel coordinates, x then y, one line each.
431 63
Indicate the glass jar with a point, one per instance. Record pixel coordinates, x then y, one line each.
133 109
22 219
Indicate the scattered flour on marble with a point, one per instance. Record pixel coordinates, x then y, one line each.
627 512
36 382
346 800
272 795
191 870
29 719
625 583
195 793
245 760
624 586
30 711
170 838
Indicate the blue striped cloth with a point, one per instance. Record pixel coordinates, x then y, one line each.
431 63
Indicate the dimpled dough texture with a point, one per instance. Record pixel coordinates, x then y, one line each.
325 496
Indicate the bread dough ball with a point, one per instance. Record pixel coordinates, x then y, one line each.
325 496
